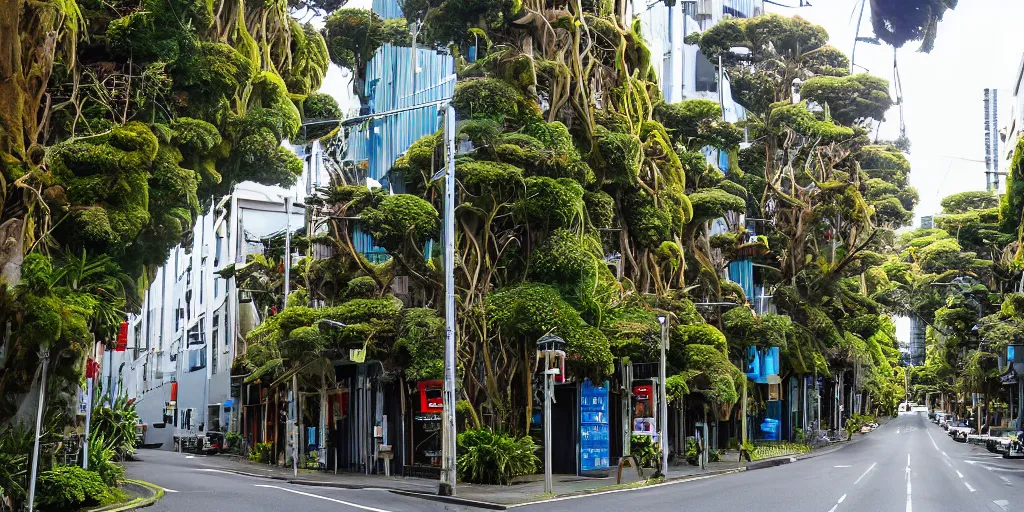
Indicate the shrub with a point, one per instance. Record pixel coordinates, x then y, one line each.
489 457
101 461
261 452
71 487
646 451
234 440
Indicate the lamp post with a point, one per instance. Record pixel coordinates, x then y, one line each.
45 356
663 399
551 347
446 487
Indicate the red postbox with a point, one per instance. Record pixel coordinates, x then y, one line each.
431 396
122 338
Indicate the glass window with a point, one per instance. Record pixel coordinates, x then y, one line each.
196 359
706 76
216 340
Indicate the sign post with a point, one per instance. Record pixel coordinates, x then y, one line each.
91 368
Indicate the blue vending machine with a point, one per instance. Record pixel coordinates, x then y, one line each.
594 429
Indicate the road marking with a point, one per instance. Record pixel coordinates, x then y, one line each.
840 466
833 509
190 456
969 488
169 490
1003 504
1006 481
865 473
948 464
933 441
217 471
910 507
842 499
959 474
356 505
897 430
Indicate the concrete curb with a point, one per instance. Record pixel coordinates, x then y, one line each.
155 493
451 500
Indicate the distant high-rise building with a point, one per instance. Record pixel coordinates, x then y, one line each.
917 341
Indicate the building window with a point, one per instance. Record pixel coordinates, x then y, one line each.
216 340
197 359
706 78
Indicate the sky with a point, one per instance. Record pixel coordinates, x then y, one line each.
978 46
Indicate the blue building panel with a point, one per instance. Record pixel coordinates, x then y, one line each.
392 84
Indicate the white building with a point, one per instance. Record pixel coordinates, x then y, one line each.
187 333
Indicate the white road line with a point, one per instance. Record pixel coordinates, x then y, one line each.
363 507
833 509
865 473
897 430
910 507
933 440
959 474
840 466
948 464
969 488
944 455
1006 481
217 471
842 499
190 456
168 490
1003 504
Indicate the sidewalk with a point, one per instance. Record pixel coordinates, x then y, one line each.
499 497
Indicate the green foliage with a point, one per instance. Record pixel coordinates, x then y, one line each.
353 35
420 344
698 123
101 461
550 202
489 457
530 310
744 329
262 453
712 203
850 99
565 258
799 119
646 451
963 202
494 99
115 424
401 220
855 422
70 487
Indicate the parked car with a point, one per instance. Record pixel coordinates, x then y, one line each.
959 430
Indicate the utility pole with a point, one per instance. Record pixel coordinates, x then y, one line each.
663 401
448 439
293 411
45 356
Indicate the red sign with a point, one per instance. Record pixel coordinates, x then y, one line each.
643 392
431 392
174 391
92 369
122 338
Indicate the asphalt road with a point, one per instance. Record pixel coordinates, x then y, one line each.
191 488
908 465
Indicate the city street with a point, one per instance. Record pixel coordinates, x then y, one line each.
190 487
907 465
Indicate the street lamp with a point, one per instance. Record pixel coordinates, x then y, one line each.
551 347
44 355
663 406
